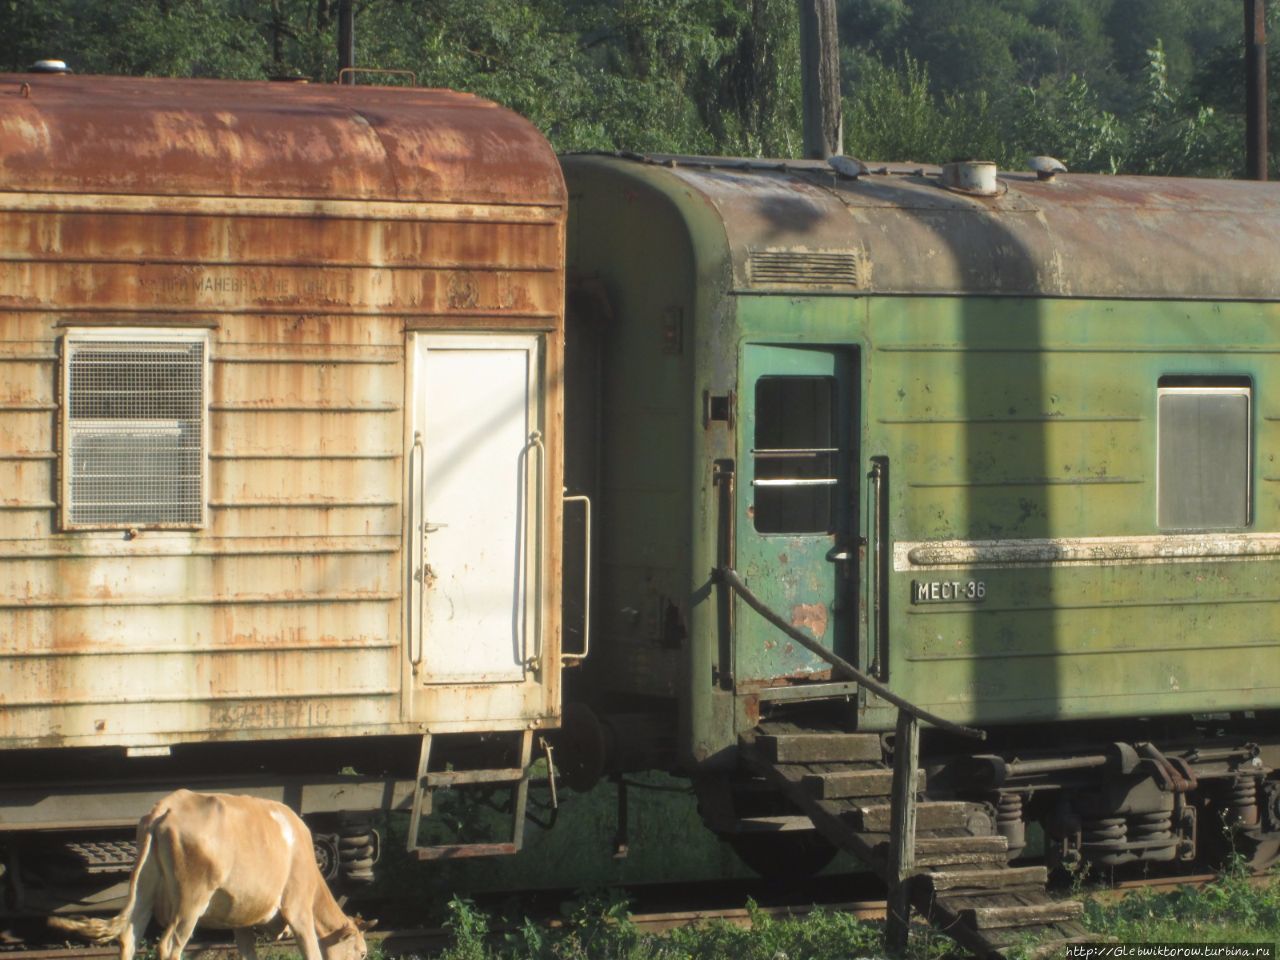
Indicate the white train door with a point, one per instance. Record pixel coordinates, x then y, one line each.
477 465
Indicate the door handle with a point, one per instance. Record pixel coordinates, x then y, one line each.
417 456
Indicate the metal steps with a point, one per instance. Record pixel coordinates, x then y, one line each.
431 780
957 873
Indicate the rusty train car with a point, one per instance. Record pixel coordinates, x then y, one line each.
293 381
280 457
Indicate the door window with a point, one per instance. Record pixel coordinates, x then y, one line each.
796 455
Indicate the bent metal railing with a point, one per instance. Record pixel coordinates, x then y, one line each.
899 867
731 578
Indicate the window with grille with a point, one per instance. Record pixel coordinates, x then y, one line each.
1205 462
133 428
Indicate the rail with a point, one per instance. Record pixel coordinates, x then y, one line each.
384 71
731 578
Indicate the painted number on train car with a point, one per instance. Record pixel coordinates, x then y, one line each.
948 591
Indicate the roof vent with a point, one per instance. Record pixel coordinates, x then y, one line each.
805 268
977 177
49 66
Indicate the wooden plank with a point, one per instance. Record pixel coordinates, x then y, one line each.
978 846
998 879
869 782
1022 915
876 817
955 851
781 823
818 747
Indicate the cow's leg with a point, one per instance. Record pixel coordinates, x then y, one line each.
303 924
189 909
246 943
136 927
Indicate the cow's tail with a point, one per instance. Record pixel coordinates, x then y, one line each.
101 930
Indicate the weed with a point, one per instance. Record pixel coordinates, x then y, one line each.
469 927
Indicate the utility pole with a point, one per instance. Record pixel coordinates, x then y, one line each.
1255 97
346 40
820 79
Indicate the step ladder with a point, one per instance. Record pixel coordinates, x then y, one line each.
429 781
939 857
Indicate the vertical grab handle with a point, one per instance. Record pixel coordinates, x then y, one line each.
572 659
417 545
534 661
877 569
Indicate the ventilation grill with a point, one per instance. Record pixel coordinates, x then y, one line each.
804 267
135 432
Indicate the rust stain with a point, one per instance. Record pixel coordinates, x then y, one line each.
810 615
211 138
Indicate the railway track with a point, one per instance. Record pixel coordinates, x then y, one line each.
425 941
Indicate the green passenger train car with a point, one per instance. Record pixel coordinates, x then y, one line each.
1013 452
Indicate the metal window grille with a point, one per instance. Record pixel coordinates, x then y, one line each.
134 421
1204 456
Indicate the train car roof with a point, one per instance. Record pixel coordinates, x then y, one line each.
797 225
146 136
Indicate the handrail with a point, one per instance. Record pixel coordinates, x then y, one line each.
574 659
730 577
533 662
417 550
352 71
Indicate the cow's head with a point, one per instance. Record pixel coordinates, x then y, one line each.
347 943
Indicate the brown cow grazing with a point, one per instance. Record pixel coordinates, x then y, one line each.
227 862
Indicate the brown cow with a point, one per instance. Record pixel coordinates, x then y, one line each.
227 862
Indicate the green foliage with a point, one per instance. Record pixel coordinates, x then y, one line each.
892 115
1233 908
598 928
468 928
1145 86
1136 86
1063 119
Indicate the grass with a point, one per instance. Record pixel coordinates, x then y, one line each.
1233 909
599 929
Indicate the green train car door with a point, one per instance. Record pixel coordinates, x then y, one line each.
796 525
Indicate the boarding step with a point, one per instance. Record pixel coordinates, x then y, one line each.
876 817
1033 938
961 881
795 746
431 780
458 851
781 823
967 850
457 778
957 880
870 781
1021 914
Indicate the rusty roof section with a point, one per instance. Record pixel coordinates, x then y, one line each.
793 224
124 135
